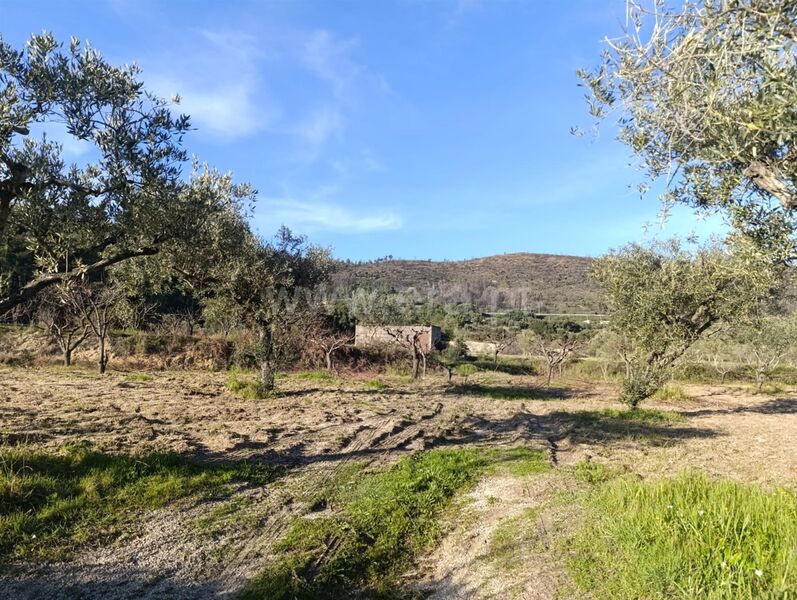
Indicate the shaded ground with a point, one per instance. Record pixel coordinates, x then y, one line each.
209 549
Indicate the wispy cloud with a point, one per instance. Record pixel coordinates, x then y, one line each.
329 57
219 84
317 127
227 111
324 216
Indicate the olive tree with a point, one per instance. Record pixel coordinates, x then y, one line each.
95 302
60 221
272 282
765 342
662 298
704 92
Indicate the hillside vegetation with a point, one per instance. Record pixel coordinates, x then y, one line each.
538 282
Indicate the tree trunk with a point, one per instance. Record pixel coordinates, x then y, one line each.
415 364
267 367
550 375
102 359
267 375
328 360
495 360
67 357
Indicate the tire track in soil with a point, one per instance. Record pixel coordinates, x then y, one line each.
364 438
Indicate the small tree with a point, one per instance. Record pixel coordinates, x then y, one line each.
663 298
555 350
329 341
62 323
411 338
95 303
766 342
452 355
500 338
608 348
718 350
272 283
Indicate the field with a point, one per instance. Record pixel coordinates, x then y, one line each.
172 486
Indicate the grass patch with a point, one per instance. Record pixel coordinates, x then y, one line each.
375 384
378 522
138 377
510 538
245 386
690 537
593 472
671 393
639 415
518 461
218 520
465 370
773 388
51 503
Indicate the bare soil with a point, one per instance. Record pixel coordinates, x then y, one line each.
314 429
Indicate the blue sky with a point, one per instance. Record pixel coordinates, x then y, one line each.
421 129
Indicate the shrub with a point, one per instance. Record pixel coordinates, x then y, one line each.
465 370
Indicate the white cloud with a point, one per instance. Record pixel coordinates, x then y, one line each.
315 216
219 83
228 111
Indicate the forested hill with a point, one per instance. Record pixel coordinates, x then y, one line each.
546 283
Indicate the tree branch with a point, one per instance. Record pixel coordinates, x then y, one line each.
33 287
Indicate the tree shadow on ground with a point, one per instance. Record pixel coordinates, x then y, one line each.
514 392
591 427
60 581
523 427
778 406
387 390
509 368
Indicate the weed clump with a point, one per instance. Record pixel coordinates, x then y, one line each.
248 387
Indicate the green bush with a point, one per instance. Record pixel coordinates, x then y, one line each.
690 537
670 393
320 376
465 370
375 384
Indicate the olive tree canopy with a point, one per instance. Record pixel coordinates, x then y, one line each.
663 298
60 220
273 283
706 95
